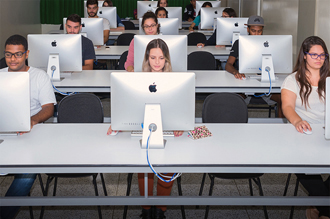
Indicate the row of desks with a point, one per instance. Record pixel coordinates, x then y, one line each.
114 52
206 82
85 148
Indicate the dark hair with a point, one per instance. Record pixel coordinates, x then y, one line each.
231 12
17 40
157 43
74 18
159 3
110 4
148 15
161 9
204 5
301 69
92 2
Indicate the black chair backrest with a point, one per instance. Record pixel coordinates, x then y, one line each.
125 39
3 63
196 37
129 25
224 108
122 61
80 108
201 60
61 27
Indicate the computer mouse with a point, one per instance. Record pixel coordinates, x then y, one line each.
243 78
114 133
199 46
307 132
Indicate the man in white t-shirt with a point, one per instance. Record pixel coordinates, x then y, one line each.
42 101
92 8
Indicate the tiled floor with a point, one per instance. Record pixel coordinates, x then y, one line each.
273 185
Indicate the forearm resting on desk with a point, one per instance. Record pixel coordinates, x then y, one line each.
231 69
45 113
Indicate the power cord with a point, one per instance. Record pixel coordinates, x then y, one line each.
53 68
270 85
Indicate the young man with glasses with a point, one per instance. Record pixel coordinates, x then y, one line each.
73 26
42 101
92 9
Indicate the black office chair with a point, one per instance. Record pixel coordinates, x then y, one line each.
122 60
78 108
262 103
196 37
227 108
129 25
128 191
125 39
201 60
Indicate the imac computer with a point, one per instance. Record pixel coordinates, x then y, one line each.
173 12
100 4
229 29
55 53
209 16
215 4
161 101
144 6
177 45
109 13
168 26
267 54
15 100
327 109
93 27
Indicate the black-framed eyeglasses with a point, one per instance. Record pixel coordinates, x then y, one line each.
316 56
152 25
17 54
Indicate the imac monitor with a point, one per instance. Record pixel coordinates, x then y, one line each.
327 109
209 16
15 100
177 45
60 50
93 27
229 29
170 97
144 6
109 13
173 12
100 4
168 26
215 4
269 53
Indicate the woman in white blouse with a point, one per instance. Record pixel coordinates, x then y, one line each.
303 103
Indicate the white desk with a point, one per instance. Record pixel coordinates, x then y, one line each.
184 23
114 52
79 148
206 82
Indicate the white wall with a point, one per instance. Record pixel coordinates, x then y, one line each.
322 20
18 17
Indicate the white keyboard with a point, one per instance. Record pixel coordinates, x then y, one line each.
139 134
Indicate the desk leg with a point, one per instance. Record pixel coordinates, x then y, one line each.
146 185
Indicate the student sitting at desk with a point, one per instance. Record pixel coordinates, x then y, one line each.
92 9
190 11
161 12
197 20
120 25
156 59
162 3
73 26
42 108
150 27
303 103
226 13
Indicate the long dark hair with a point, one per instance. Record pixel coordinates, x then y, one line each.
159 3
231 12
301 69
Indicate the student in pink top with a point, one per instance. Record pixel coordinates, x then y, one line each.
150 26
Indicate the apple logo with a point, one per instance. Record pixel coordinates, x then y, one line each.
266 44
236 24
100 12
83 24
149 5
54 43
215 12
152 88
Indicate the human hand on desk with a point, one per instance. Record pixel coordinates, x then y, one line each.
200 45
177 133
130 69
220 46
239 76
111 132
302 126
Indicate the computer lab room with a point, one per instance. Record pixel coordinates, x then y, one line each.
165 109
